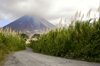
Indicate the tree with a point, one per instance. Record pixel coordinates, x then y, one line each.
24 36
36 36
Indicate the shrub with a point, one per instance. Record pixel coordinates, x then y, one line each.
10 43
79 41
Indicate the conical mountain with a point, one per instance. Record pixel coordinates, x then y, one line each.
30 24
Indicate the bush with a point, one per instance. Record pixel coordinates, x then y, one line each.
79 41
10 43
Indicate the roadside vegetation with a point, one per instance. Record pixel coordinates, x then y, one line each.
10 41
80 40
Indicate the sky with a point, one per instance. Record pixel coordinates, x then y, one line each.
51 10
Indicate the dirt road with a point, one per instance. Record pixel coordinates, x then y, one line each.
29 58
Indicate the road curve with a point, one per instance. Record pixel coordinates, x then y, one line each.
29 58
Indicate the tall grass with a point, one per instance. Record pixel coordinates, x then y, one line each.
81 39
10 42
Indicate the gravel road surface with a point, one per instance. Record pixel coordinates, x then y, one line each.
29 58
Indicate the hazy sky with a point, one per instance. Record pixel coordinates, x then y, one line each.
51 10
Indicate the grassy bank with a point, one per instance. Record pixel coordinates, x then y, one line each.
10 43
81 40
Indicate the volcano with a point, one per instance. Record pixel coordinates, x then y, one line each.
30 24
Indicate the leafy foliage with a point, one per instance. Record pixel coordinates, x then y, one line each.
81 40
24 36
36 36
10 43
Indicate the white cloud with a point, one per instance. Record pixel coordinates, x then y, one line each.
52 10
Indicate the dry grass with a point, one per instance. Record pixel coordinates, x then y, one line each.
8 31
